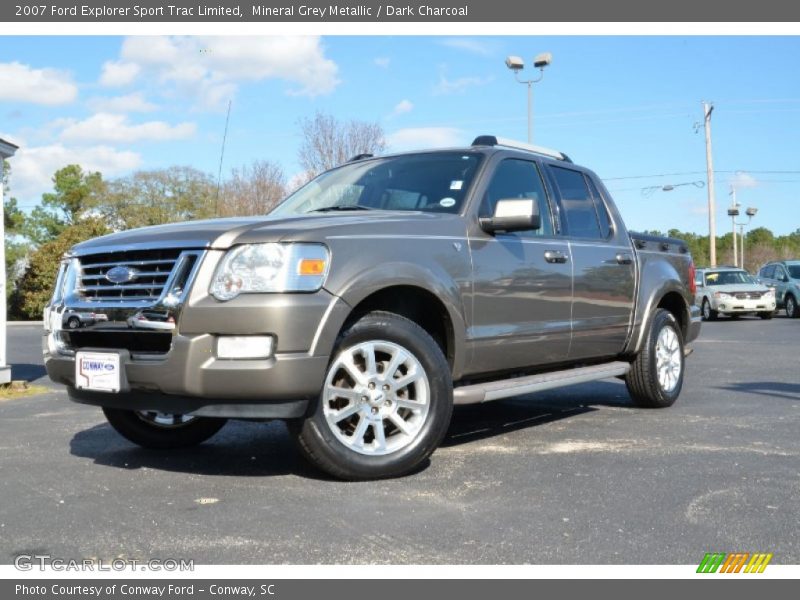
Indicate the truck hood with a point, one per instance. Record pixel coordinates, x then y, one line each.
224 233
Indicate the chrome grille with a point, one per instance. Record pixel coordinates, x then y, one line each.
150 271
748 295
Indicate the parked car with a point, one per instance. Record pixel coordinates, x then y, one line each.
784 277
72 319
732 292
372 300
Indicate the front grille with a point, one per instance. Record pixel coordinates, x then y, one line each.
748 295
149 273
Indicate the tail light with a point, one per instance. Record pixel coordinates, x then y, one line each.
692 282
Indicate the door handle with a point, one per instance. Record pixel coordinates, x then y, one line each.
553 256
623 258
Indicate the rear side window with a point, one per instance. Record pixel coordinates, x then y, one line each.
602 213
577 204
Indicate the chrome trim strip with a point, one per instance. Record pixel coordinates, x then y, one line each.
159 245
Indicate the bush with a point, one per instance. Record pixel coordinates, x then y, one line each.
35 286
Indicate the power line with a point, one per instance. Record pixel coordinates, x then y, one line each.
699 173
221 155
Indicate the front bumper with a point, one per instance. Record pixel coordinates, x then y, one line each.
190 379
733 305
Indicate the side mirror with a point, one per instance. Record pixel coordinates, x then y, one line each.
513 214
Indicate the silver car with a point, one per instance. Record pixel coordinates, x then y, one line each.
731 291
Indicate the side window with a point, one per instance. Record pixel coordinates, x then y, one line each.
602 212
698 278
516 178
577 204
768 272
780 274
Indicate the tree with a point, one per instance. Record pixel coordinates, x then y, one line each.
74 192
328 142
35 287
16 247
156 197
253 190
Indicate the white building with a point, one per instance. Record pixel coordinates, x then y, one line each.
7 150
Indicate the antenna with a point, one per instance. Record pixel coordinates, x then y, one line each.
221 156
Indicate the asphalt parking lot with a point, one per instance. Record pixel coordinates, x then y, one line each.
569 476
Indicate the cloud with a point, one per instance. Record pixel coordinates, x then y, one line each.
135 102
118 73
108 127
33 167
210 68
382 61
470 45
743 180
414 138
459 85
22 83
402 107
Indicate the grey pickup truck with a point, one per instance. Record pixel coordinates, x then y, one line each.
370 302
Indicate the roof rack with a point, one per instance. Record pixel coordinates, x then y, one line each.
491 140
360 157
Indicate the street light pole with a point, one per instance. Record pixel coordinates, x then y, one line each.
516 64
733 211
708 108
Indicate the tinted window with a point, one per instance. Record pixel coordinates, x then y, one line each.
602 213
436 181
794 271
577 203
768 271
515 178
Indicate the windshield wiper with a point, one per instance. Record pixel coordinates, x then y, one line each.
339 208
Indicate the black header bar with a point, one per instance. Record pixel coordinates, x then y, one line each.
434 11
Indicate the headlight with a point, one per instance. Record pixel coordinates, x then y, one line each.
721 295
769 293
270 267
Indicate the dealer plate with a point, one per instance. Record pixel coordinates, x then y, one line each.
98 371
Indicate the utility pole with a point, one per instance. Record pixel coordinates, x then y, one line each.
7 150
708 108
734 212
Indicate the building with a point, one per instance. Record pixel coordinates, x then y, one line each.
7 150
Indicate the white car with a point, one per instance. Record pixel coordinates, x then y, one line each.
731 291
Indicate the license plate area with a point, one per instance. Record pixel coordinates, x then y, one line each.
98 371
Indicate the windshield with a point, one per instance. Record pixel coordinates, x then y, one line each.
794 271
436 182
728 278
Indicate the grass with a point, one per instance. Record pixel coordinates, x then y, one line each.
20 389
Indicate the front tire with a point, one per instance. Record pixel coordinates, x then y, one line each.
385 405
765 315
160 431
709 314
73 323
791 307
656 376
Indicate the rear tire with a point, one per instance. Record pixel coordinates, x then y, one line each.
385 405
153 430
73 323
656 376
791 307
709 314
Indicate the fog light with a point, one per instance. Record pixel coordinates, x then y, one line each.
244 346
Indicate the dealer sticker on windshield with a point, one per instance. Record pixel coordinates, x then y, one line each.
97 371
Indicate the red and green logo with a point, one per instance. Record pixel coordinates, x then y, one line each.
737 562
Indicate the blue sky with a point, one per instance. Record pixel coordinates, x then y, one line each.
624 106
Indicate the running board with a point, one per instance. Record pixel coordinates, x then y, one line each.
505 388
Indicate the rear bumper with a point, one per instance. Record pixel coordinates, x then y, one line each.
695 322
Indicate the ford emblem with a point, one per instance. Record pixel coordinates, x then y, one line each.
121 274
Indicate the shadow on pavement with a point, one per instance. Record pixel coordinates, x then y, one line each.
775 389
243 449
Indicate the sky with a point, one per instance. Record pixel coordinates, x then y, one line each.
623 106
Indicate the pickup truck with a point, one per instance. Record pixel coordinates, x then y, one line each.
370 302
